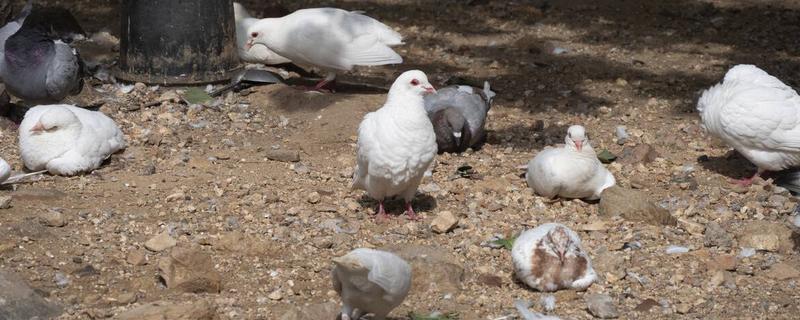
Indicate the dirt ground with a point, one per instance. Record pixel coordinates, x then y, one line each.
202 174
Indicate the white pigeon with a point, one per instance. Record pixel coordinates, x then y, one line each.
5 170
550 257
257 53
67 140
396 143
370 281
569 172
756 114
330 39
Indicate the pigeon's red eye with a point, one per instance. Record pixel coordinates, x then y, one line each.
415 82
254 34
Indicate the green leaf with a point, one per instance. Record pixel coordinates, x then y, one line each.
507 243
195 95
606 156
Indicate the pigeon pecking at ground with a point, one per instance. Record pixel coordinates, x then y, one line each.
759 116
37 63
550 257
256 53
370 281
67 140
396 143
458 114
330 39
569 172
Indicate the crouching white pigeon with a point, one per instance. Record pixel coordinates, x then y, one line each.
67 140
330 39
458 114
756 114
370 281
550 257
257 53
569 172
396 143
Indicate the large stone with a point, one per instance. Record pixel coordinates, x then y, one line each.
328 310
642 153
19 301
633 205
435 270
190 270
162 310
601 306
766 236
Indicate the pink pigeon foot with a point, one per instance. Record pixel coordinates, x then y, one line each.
411 214
381 216
746 182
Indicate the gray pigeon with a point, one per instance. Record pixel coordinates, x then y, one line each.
37 64
458 114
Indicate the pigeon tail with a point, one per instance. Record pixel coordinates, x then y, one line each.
789 179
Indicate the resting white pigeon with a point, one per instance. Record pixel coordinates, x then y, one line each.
756 114
67 140
257 53
370 281
396 143
5 170
328 38
569 172
550 257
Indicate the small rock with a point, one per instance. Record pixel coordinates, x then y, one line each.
169 96
723 262
444 222
783 271
283 155
490 280
161 242
633 205
766 236
313 197
747 253
5 202
20 301
715 236
435 270
622 135
642 153
275 295
53 218
601 306
676 249
692 227
124 298
646 305
163 310
137 257
61 280
190 270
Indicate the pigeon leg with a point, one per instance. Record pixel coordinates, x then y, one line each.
746 182
410 212
381 216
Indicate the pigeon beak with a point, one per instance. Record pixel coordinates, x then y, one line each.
429 90
37 128
578 144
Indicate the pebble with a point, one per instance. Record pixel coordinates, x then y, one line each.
641 153
715 236
160 242
283 155
313 197
747 253
672 249
601 306
783 271
765 236
53 218
275 295
137 257
5 202
622 135
61 280
444 222
190 270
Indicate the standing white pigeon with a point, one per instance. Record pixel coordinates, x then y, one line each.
67 140
328 38
550 257
370 281
396 143
257 53
756 114
569 172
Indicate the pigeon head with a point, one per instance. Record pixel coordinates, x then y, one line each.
54 23
350 264
258 33
57 121
414 82
559 241
576 137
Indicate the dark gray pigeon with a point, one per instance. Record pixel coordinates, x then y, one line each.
37 63
460 110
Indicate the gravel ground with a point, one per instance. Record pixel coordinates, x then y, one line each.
217 181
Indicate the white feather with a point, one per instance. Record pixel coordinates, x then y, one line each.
569 173
80 143
756 114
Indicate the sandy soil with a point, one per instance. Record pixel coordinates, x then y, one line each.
202 174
